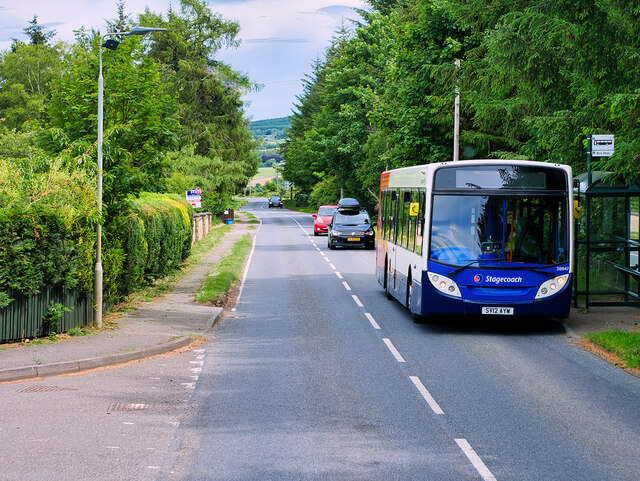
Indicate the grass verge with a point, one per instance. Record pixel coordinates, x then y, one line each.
225 274
291 205
626 345
162 286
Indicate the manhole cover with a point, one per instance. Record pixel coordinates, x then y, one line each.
46 389
126 407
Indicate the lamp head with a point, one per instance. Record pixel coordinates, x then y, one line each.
111 44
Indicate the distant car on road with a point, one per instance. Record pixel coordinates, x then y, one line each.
351 227
322 218
275 201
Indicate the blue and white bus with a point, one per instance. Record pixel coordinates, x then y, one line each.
489 237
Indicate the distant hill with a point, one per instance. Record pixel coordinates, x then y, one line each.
270 127
272 133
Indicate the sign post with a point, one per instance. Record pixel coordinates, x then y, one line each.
598 146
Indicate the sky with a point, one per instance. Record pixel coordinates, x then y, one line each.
280 38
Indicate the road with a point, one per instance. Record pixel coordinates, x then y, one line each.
317 376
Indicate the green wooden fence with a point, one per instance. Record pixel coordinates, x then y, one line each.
24 317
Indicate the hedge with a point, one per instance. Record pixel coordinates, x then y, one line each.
158 238
40 249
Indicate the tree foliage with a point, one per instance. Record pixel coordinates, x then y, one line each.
173 120
535 78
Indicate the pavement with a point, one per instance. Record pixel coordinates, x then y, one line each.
175 321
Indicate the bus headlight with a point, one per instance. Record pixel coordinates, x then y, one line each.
552 286
444 284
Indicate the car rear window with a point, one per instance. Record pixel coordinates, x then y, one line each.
326 211
351 219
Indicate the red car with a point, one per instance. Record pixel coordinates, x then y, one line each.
324 215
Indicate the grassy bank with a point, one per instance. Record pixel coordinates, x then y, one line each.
626 345
225 274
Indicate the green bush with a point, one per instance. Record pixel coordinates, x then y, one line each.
37 250
326 192
166 227
137 250
40 247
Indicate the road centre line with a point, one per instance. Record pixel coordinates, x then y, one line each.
372 320
475 460
393 350
426 395
464 445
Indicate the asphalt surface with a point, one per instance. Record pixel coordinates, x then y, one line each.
316 375
173 321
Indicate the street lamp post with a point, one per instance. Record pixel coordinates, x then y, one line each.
456 118
111 44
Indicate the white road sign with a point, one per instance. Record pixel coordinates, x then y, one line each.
602 145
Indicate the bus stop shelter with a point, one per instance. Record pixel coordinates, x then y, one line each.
607 241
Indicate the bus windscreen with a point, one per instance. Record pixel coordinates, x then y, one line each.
499 230
492 177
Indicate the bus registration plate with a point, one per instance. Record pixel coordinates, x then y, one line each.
498 311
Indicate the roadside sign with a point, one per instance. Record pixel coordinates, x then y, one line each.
194 197
602 145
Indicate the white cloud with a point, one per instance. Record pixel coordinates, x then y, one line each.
280 38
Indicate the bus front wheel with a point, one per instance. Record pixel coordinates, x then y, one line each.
417 318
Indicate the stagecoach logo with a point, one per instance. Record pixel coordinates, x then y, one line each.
497 280
504 280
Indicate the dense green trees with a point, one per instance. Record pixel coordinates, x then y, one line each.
173 120
535 78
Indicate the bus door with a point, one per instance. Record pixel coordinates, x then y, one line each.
403 239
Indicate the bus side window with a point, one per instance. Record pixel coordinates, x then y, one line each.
420 221
392 216
399 221
406 218
413 220
387 214
383 214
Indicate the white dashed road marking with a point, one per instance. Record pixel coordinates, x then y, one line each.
393 350
426 395
372 320
475 460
